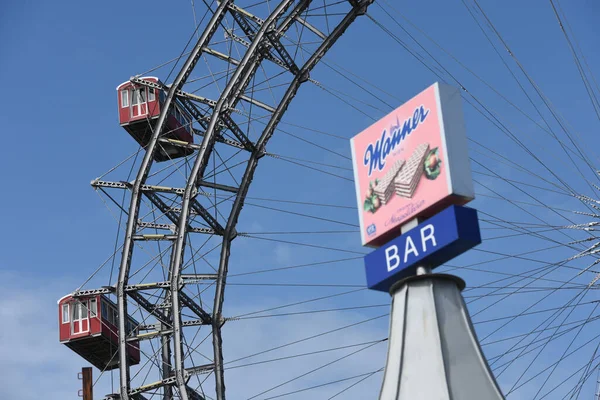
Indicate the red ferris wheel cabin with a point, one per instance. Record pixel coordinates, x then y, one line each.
88 326
139 109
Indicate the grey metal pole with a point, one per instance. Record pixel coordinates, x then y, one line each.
433 350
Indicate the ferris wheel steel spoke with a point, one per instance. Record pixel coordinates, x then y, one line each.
563 355
315 144
537 89
361 380
312 312
306 354
578 48
586 83
577 324
316 169
299 303
308 338
490 115
315 246
533 233
313 130
279 269
511 164
585 374
519 182
446 71
552 317
524 312
528 195
527 313
554 364
325 384
550 366
544 346
303 203
517 108
302 215
314 370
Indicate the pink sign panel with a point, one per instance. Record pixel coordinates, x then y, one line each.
412 163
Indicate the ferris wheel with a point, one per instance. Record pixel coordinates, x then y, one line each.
159 329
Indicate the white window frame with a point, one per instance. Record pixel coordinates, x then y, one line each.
65 307
93 308
79 308
151 94
125 99
134 98
139 96
76 312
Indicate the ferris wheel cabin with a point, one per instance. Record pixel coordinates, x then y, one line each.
88 326
139 109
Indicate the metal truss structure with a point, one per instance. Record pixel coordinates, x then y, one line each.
260 66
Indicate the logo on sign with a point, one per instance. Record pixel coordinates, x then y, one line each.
376 154
371 229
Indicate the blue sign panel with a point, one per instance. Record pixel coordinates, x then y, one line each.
430 244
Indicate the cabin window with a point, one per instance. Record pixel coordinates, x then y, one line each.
124 98
76 311
139 96
65 313
93 308
151 95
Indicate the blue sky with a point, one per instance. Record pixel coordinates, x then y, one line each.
61 63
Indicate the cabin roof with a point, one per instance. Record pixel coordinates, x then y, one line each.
148 78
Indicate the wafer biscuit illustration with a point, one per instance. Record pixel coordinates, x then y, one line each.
409 176
385 188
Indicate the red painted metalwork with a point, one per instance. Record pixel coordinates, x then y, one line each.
139 108
88 326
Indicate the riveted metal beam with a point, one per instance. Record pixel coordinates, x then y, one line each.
212 185
213 116
230 94
196 309
253 162
149 307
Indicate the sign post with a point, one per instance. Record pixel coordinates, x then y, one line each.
412 176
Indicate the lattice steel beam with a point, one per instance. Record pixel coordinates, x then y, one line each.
149 307
191 304
162 206
213 116
229 96
136 189
358 9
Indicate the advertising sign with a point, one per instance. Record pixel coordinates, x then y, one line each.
431 243
411 163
